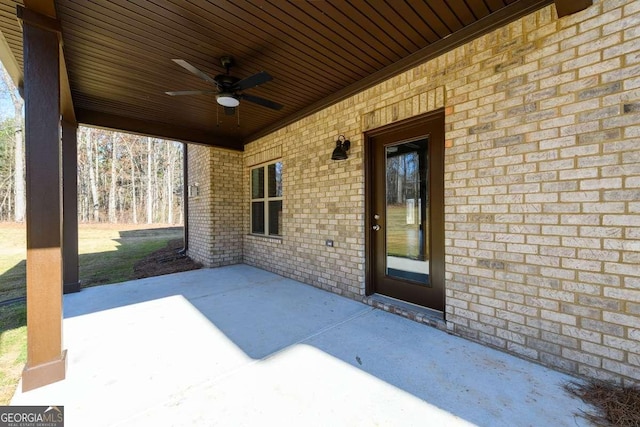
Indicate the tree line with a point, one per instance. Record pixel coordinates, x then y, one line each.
122 178
129 178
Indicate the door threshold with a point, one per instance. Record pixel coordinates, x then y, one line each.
406 309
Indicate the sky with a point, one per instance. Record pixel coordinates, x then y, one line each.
6 106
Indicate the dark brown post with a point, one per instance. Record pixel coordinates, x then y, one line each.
185 197
46 361
70 207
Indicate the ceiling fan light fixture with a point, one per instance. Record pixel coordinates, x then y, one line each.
227 100
229 88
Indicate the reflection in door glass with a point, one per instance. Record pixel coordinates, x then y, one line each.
406 211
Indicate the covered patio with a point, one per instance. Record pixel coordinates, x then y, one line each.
241 346
531 112
115 65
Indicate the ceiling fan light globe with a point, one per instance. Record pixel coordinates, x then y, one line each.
227 100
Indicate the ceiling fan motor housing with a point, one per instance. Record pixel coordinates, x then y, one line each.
226 82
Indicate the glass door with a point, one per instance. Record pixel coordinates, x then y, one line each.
405 211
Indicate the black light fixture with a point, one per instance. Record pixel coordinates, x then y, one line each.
342 146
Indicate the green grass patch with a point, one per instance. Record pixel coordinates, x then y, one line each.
13 348
12 261
116 266
107 254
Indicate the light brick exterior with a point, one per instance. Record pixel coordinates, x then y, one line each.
215 214
200 238
542 188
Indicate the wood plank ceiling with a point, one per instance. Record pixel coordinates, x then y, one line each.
119 55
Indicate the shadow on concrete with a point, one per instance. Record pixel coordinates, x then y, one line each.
254 315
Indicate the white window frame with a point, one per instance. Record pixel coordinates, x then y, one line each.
266 199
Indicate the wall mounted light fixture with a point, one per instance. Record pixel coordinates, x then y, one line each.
342 146
194 190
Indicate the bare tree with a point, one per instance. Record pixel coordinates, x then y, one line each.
19 178
7 157
169 181
134 198
149 182
95 201
113 218
159 170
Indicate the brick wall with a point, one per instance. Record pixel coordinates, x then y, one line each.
542 194
227 175
322 200
542 176
200 247
215 213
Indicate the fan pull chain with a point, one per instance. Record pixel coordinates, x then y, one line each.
238 114
217 116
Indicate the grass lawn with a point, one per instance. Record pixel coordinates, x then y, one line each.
13 348
107 255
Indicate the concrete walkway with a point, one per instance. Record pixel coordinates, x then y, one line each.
238 346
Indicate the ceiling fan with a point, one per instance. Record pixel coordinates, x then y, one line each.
229 88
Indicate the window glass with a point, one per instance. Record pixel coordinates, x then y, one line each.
257 217
257 183
275 217
266 199
275 179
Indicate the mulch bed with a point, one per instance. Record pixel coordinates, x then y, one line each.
614 405
164 261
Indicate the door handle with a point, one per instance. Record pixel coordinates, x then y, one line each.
376 227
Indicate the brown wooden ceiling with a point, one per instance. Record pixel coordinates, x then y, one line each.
119 55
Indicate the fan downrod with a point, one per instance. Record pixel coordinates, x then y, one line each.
227 62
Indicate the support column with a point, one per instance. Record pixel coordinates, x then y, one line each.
46 361
185 197
70 207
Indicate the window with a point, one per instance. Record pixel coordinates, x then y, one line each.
266 199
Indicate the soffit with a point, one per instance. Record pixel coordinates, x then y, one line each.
119 53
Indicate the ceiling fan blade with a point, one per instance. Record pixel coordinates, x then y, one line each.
190 92
262 101
184 64
253 81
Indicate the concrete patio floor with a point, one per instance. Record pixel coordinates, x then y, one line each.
239 346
